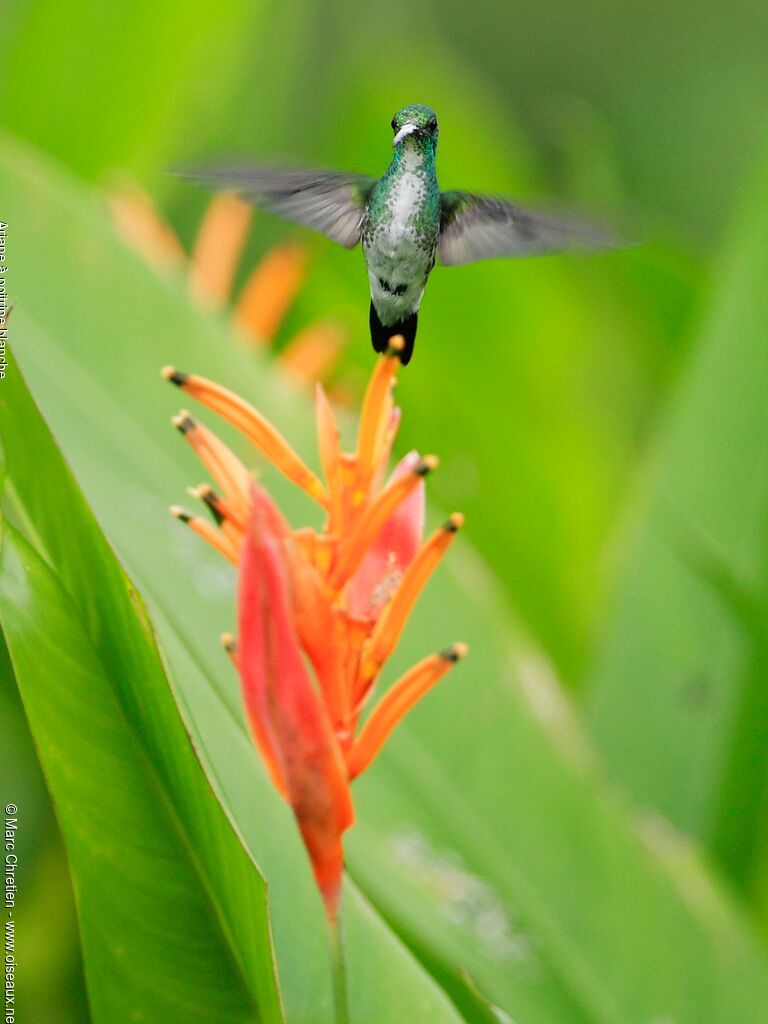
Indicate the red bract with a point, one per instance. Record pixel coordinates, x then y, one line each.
340 596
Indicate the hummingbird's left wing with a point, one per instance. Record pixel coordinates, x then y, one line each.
484 227
331 202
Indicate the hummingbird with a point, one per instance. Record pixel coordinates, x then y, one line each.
402 220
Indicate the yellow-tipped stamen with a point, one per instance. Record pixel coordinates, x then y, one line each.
270 290
208 496
229 644
218 245
261 735
376 411
393 619
223 510
353 549
228 520
253 425
396 702
312 354
208 532
220 461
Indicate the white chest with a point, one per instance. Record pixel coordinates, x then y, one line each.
408 192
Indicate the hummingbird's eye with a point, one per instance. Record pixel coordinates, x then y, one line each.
432 123
394 125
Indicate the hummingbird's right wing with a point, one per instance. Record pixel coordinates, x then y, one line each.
476 227
331 202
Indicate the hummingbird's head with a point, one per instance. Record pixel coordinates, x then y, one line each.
415 121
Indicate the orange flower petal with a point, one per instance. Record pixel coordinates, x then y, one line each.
220 461
391 552
385 453
392 621
253 425
218 245
318 631
376 413
287 716
312 354
208 533
141 226
270 290
353 549
228 520
396 703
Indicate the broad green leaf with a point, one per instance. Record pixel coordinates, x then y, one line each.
115 620
50 983
152 942
678 697
76 545
569 911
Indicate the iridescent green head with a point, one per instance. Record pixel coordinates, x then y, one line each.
415 121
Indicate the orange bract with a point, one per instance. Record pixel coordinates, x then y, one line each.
219 242
269 289
339 597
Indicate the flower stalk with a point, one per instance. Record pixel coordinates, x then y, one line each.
338 971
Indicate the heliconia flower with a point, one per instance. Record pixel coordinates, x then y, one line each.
320 612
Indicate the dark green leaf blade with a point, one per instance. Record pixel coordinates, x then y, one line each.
115 621
153 947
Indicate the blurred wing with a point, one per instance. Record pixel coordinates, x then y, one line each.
484 227
327 201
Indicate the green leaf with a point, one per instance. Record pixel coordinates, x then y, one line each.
51 984
678 697
152 942
113 617
487 836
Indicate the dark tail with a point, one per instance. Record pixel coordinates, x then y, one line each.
380 334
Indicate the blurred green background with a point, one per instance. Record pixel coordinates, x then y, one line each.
547 386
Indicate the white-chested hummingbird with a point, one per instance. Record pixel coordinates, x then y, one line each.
403 220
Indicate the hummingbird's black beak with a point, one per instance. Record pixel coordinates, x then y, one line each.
405 131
